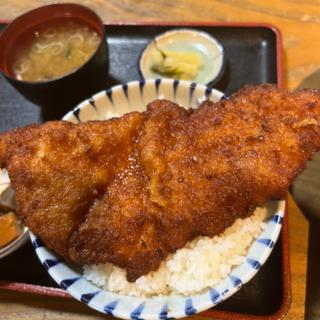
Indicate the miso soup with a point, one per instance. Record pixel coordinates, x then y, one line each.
54 50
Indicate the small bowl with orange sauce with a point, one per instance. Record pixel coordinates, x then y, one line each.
13 233
55 56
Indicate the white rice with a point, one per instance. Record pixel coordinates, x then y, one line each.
201 264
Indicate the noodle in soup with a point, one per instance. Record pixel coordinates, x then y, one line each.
55 50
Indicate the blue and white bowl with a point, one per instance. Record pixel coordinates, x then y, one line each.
115 102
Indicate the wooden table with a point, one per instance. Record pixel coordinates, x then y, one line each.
299 24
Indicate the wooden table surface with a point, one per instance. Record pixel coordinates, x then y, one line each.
299 25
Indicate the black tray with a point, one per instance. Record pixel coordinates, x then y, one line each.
251 57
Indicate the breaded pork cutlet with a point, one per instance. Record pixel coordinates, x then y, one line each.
129 191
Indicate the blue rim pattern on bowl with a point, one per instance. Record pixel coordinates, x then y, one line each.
114 102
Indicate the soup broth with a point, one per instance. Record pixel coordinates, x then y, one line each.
54 50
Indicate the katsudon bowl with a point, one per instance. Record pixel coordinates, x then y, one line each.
134 96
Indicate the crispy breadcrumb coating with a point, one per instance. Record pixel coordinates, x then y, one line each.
129 191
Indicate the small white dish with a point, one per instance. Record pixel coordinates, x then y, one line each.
188 41
15 244
7 200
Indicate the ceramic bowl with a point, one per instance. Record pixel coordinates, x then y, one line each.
186 40
7 201
117 101
58 95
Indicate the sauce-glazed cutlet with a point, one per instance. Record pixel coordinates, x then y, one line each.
132 190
